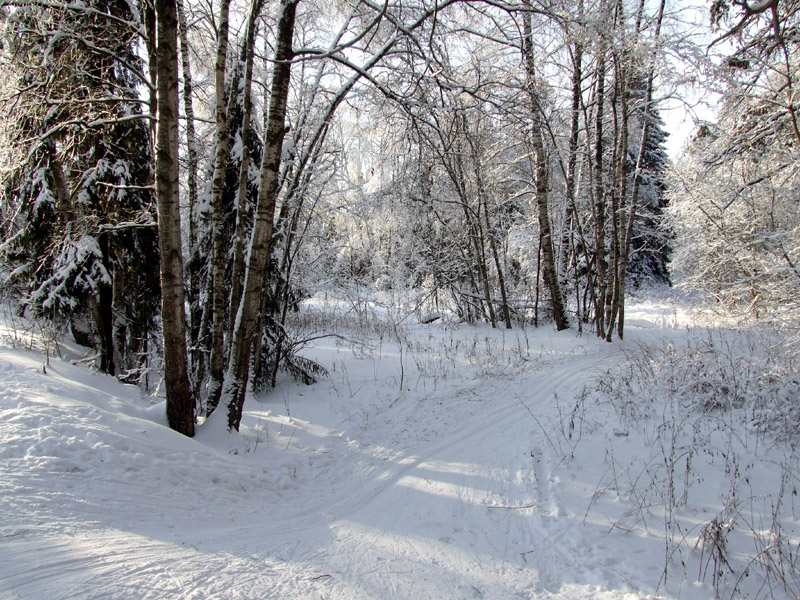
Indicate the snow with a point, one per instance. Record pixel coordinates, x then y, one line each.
447 462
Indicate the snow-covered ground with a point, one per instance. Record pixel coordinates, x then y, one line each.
436 461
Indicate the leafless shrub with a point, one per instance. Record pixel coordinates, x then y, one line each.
713 543
712 400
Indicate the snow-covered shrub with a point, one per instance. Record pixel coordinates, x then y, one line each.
719 414
752 370
733 203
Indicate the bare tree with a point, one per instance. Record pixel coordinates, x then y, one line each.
542 177
260 244
219 243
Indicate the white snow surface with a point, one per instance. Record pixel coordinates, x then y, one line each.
436 465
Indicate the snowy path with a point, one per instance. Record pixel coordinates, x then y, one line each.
472 515
444 493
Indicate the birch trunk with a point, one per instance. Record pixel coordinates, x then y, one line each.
549 270
216 367
197 356
191 135
599 204
239 243
260 244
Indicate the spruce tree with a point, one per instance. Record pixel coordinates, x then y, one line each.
83 241
650 247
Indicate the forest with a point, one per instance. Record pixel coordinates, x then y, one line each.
201 195
503 163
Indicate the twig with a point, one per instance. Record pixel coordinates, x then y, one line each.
544 431
291 438
531 505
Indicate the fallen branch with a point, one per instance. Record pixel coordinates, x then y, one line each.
531 505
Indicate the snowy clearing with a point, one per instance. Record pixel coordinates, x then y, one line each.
445 461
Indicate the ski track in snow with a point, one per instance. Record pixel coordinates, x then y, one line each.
444 493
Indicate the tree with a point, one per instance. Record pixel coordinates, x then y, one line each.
542 171
732 198
732 208
219 241
180 402
521 147
83 241
217 256
260 244
650 245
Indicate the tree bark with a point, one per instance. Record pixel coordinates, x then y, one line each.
619 193
191 135
549 269
149 21
216 365
66 211
180 404
571 216
261 241
119 325
599 204
239 242
197 356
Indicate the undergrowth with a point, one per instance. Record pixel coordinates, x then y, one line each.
374 332
719 416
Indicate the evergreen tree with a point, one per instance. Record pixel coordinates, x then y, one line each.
84 242
650 247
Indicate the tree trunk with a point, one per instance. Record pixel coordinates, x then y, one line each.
197 356
149 21
637 175
475 232
66 211
191 136
599 204
549 269
546 237
239 242
501 281
260 243
618 195
119 326
180 404
493 248
216 366
571 217
453 163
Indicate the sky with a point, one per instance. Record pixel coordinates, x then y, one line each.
688 100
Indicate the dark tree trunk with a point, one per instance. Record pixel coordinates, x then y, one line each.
180 404
105 313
